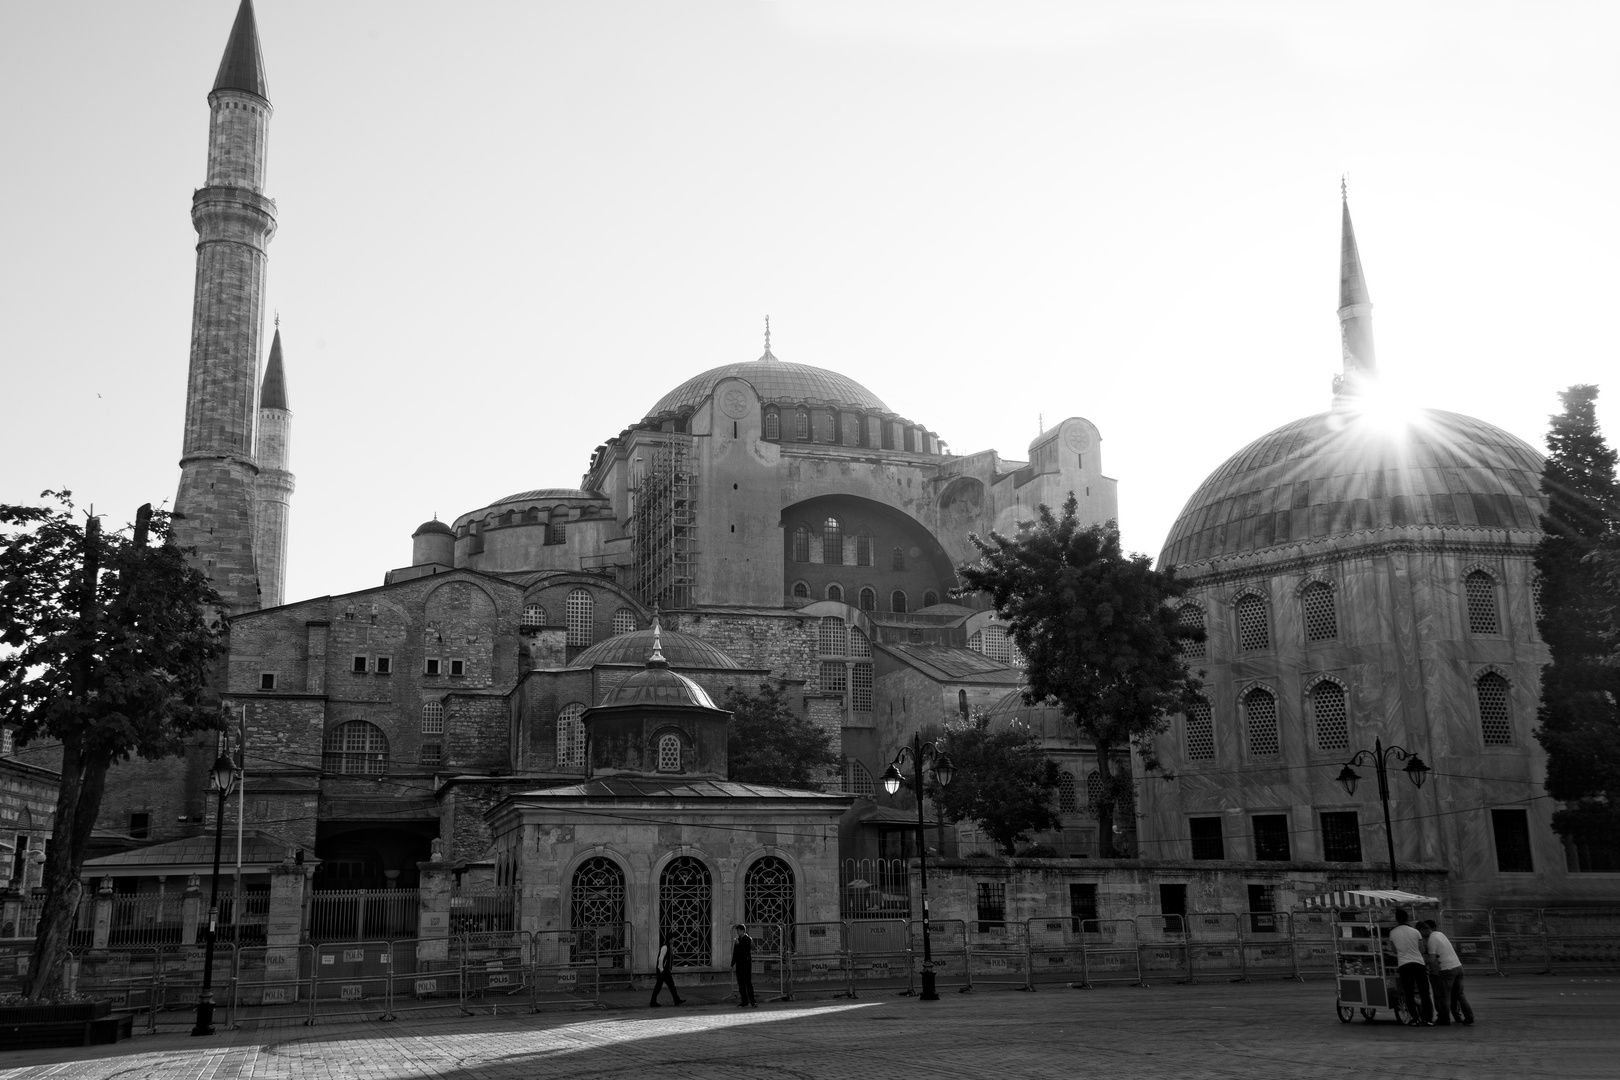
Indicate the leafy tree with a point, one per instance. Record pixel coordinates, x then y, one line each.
1098 635
1580 592
770 744
106 644
1003 783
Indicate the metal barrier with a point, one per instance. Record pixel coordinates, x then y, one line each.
879 955
1520 939
818 957
1583 939
570 967
770 961
1057 952
1215 946
1111 953
948 942
1268 946
1311 933
494 969
271 984
1469 931
998 954
351 980
1162 942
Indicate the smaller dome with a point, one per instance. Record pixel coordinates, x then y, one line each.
680 650
434 526
657 686
1045 719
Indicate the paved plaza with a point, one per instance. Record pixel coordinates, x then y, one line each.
1529 1026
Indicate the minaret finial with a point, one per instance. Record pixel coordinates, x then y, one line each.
767 333
1344 189
1355 310
278 318
656 659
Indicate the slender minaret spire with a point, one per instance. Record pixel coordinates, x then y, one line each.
234 221
273 452
1355 311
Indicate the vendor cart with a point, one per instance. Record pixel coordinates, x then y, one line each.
1365 977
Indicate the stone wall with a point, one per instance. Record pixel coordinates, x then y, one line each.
27 813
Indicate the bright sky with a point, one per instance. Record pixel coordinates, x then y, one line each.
506 229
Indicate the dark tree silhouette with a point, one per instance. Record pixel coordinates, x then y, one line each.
1003 783
770 744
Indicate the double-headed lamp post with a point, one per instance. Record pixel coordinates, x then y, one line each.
1416 771
921 756
224 783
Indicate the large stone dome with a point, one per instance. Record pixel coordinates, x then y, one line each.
681 650
773 380
1340 473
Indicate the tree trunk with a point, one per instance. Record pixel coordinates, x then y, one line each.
62 886
1105 799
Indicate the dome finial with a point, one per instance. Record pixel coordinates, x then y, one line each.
768 354
656 659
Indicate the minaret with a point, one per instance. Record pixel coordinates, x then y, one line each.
1355 312
234 221
272 450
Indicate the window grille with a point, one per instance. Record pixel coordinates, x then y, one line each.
768 896
897 602
1535 598
801 590
868 600
863 551
533 615
801 426
1206 838
1083 907
860 687
1200 732
995 643
685 922
930 598
832 542
432 717
571 737
831 637
1332 719
559 532
669 753
1494 723
1512 829
1271 837
597 910
1321 620
1254 631
829 428
581 617
1260 708
355 748
1094 789
624 621
832 676
432 753
858 643
1481 593
773 425
992 906
857 780
835 592
897 559
1341 836
801 543
1068 796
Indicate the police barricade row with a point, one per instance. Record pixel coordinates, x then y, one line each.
1582 939
818 957
1162 942
571 968
1214 946
125 977
1311 932
998 953
352 980
1111 952
879 955
1056 952
948 944
271 984
179 976
1519 936
770 962
494 971
1469 931
1267 948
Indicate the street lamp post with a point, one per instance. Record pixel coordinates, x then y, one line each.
921 755
1416 771
224 782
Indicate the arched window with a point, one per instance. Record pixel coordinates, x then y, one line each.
433 718
801 590
801 425
1260 713
1068 794
685 903
994 642
868 600
1191 617
857 780
768 900
669 753
863 550
835 592
624 621
355 747
828 432
849 429
773 425
1254 630
571 737
581 618
1094 789
1332 718
1495 724
801 543
832 541
831 637
1481 593
1321 619
596 910
930 598
897 559
558 533
897 601
1200 732
533 615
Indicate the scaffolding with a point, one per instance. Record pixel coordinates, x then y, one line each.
663 524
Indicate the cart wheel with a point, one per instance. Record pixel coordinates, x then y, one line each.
1368 1014
1346 1013
1400 1013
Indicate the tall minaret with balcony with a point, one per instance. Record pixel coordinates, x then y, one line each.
218 492
273 452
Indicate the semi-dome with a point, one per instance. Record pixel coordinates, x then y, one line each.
1340 473
772 380
657 686
680 650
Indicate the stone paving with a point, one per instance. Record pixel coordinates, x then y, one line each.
1529 1026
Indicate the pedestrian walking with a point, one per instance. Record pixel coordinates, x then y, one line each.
742 958
1446 973
666 977
1412 969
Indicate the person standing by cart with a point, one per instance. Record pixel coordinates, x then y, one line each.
1446 973
1412 969
742 958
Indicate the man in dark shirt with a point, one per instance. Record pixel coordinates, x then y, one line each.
666 977
742 958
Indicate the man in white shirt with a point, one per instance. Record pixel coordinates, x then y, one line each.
1446 973
1413 971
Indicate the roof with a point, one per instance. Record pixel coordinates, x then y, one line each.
680 650
242 67
1343 472
551 493
635 787
953 663
1044 719
773 380
658 687
434 526
259 850
1363 898
273 393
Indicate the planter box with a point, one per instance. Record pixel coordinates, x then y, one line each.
88 1023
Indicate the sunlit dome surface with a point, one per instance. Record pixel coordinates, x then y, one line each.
773 380
658 687
1338 473
681 650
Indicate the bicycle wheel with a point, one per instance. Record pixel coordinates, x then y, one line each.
1368 1014
1346 1013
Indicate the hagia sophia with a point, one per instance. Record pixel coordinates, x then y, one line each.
1361 575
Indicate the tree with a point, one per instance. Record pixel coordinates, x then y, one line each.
1098 635
1580 592
770 744
1003 783
106 644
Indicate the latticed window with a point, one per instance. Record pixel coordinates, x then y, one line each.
897 602
801 426
801 543
624 621
863 551
768 900
1260 710
433 718
833 676
596 910
581 618
858 643
355 747
685 905
868 599
773 425
930 598
533 615
1321 620
1200 732
1494 723
1191 617
1271 837
1481 593
835 592
1535 597
669 753
571 737
1254 629
829 428
992 906
831 637
1094 788
559 531
857 780
1207 842
1068 794
994 643
432 753
860 687
1332 718
897 559
832 541
1341 836
801 590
